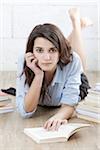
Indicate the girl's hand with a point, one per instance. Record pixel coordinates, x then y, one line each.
54 123
31 62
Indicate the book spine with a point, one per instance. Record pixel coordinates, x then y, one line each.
88 113
94 92
88 118
92 97
89 108
92 103
6 111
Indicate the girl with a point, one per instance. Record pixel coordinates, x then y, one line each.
50 73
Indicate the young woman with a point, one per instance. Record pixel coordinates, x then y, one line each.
50 73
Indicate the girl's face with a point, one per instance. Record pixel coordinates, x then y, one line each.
46 53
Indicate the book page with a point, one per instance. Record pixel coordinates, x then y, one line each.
41 133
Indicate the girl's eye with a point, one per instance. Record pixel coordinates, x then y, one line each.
39 50
53 50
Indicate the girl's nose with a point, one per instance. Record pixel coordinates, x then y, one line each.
46 56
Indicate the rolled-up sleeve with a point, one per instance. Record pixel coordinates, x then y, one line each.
21 90
70 93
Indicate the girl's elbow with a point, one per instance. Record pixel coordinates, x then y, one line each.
26 115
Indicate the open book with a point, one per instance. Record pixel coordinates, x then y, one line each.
41 135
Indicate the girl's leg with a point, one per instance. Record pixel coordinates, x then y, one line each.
75 38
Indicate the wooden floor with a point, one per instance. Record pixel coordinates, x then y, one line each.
12 125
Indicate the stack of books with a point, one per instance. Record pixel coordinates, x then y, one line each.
89 109
5 103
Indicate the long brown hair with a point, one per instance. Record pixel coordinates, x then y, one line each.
54 35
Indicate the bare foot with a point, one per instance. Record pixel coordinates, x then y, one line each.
77 21
75 16
85 22
74 13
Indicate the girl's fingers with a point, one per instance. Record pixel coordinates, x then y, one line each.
58 125
53 127
48 124
34 63
30 58
64 121
45 125
54 124
29 54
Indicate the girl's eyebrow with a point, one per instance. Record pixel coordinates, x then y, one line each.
37 47
52 47
42 47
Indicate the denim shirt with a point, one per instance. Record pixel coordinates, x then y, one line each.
64 88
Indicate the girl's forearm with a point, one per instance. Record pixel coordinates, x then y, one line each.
65 112
32 97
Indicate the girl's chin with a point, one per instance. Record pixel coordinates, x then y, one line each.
46 68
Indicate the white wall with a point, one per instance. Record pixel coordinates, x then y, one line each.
20 16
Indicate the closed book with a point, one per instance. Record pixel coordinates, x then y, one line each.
92 102
41 135
95 92
88 113
88 118
3 98
93 97
96 87
84 106
6 109
3 94
5 102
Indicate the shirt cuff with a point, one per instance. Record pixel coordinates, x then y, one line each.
71 101
21 110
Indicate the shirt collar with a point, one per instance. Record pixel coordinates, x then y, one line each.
58 77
